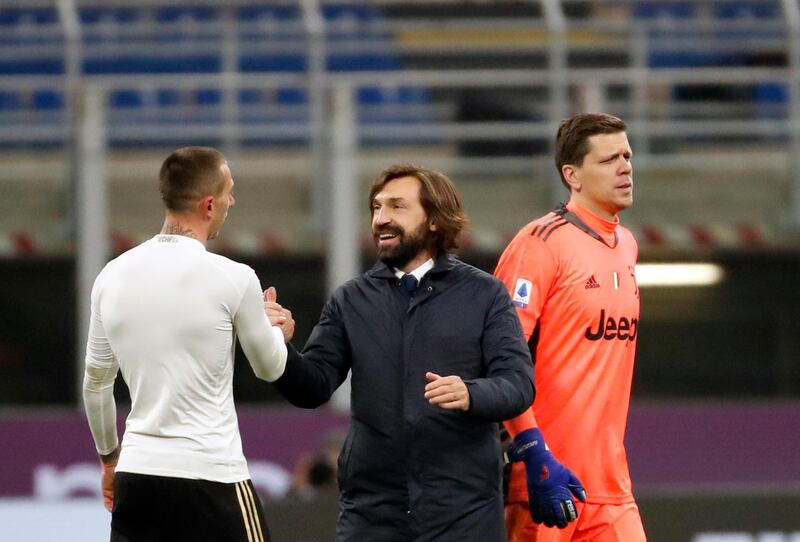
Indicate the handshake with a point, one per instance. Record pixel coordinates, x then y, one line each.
551 485
278 315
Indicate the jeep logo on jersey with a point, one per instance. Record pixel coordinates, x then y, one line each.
610 328
522 293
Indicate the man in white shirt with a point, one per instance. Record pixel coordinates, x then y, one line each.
166 314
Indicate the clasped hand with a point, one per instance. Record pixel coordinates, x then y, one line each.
278 315
448 392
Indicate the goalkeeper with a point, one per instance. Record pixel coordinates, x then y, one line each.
571 274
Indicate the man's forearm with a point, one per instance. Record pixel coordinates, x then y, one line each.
110 459
101 411
108 476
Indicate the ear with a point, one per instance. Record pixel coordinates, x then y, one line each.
205 206
433 227
570 174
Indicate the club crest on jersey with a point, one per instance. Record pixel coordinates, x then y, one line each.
522 293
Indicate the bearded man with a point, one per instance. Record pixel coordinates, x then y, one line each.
437 358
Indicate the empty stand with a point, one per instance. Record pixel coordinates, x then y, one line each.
475 88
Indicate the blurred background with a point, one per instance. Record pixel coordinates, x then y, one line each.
309 100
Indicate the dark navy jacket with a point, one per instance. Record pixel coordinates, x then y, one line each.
410 470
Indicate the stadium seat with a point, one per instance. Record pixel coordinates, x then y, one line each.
173 14
9 100
36 16
104 15
763 9
169 39
649 9
48 100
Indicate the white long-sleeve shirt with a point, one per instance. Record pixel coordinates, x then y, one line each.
166 314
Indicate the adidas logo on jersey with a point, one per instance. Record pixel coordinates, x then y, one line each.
591 283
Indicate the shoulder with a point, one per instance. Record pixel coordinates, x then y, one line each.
625 235
121 269
546 230
627 242
553 230
538 239
127 258
227 263
236 271
464 272
355 286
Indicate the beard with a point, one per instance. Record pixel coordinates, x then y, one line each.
408 245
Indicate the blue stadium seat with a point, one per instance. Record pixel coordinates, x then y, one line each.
292 96
360 61
254 13
207 96
267 60
360 11
39 16
363 62
46 64
718 45
769 95
653 9
125 98
49 100
173 54
713 52
9 100
153 64
34 66
286 62
172 14
762 9
99 15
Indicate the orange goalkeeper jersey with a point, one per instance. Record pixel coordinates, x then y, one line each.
571 275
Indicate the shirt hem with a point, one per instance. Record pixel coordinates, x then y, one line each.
171 473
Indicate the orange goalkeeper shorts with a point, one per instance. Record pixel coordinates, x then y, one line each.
595 523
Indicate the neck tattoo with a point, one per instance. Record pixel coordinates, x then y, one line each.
176 229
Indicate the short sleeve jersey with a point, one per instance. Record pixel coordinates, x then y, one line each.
571 275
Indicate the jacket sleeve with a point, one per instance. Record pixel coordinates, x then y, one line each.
507 389
311 377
